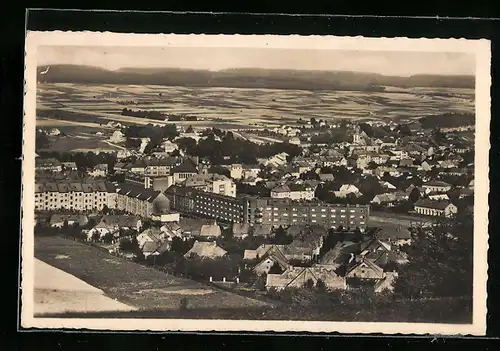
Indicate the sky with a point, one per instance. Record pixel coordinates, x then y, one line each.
383 62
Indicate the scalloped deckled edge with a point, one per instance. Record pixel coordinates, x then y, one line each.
483 81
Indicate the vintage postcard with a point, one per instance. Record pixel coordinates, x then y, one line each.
255 183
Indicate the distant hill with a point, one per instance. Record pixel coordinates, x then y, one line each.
246 78
448 120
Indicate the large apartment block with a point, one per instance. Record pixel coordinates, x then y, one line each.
287 212
266 211
140 201
78 196
194 202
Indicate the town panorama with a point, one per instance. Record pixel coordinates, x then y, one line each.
253 193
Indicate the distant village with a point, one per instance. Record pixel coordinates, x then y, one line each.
286 206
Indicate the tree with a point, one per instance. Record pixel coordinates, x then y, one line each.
107 238
190 129
96 236
403 130
440 260
320 285
309 284
280 237
41 141
275 269
414 195
126 245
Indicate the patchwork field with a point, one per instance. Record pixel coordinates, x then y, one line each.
233 108
135 285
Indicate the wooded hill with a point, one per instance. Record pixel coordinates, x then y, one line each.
447 120
247 78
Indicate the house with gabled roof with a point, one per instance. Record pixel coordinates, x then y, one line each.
297 277
394 235
210 230
111 224
365 269
206 250
340 253
185 170
436 186
58 220
273 256
435 208
241 230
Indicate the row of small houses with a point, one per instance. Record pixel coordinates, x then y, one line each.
339 268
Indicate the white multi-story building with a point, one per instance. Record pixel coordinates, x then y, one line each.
293 191
78 196
212 183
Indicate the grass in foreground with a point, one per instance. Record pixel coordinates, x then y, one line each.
132 283
446 311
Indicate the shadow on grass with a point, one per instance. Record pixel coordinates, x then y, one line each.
450 312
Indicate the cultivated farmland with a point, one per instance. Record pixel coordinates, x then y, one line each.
243 107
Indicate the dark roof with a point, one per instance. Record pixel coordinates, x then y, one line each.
187 166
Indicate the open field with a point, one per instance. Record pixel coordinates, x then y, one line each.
133 284
383 219
59 292
242 107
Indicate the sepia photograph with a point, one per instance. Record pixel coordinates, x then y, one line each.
255 183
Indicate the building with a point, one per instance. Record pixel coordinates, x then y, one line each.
268 212
169 146
117 137
365 269
69 166
141 202
199 203
297 277
152 167
286 212
158 183
185 170
59 220
436 186
100 170
205 249
48 164
347 189
212 183
293 191
77 196
428 207
111 224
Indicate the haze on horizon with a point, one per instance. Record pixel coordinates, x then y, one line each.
390 63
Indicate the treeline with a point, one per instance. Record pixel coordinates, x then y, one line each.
448 120
234 150
157 115
84 161
133 134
